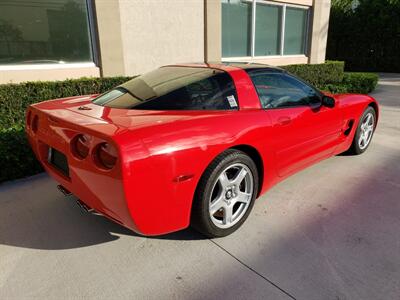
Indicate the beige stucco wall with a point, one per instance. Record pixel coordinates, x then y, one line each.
319 34
157 32
135 36
111 56
212 30
47 73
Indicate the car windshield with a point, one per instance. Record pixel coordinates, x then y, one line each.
174 88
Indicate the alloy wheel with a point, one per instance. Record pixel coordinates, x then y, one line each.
231 195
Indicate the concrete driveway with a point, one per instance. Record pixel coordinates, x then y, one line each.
329 232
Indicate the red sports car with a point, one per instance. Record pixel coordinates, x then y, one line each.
193 144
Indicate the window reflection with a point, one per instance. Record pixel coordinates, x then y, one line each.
44 31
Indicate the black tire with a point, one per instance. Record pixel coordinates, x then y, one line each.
201 219
355 147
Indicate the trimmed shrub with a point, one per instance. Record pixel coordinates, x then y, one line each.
353 82
358 82
319 74
17 158
15 98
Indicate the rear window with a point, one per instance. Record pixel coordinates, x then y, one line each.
174 88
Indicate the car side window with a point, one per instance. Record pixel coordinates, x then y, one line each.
280 90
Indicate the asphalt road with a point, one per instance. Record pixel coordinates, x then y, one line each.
329 232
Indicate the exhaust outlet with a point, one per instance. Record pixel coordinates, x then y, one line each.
63 190
83 206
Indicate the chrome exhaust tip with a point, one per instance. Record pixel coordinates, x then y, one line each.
83 206
63 190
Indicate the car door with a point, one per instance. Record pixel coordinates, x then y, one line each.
304 131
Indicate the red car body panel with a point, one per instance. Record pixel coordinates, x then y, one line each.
162 154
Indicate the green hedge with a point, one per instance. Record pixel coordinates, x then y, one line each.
319 74
359 82
331 77
17 158
15 98
353 82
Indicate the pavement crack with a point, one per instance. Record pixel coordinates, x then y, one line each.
252 270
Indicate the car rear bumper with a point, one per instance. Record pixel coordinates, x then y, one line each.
101 190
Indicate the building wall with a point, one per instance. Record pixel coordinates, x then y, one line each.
47 72
135 36
319 34
156 33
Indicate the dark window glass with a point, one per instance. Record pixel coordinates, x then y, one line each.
281 90
44 32
175 88
295 31
236 28
268 30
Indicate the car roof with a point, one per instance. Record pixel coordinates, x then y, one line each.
229 66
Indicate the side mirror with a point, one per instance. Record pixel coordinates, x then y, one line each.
328 101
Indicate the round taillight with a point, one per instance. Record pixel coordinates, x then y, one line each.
35 123
106 155
80 146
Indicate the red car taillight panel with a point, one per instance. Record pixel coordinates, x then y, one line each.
80 146
105 156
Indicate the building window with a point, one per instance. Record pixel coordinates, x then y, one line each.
256 28
295 31
267 32
44 32
236 15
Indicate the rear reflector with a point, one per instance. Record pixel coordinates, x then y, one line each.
106 155
80 146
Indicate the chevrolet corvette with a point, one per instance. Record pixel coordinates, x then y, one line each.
193 144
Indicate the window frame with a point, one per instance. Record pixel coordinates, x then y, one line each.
284 73
94 47
282 31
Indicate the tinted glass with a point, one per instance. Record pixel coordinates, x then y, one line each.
175 88
236 28
277 90
44 32
295 31
268 27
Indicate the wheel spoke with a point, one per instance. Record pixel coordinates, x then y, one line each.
243 197
216 205
240 176
231 195
223 180
368 118
361 141
228 215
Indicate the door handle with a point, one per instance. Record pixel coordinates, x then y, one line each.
284 120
